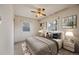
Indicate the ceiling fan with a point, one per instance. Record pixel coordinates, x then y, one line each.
39 12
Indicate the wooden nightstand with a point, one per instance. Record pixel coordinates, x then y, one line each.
69 45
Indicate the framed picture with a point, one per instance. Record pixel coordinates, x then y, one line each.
69 22
43 25
26 27
75 21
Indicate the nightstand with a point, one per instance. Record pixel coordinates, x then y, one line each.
77 47
69 45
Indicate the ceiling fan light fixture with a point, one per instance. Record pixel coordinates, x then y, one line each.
39 12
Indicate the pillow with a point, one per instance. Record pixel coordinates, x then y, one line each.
47 35
56 36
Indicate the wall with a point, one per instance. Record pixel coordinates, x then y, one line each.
66 12
6 30
19 34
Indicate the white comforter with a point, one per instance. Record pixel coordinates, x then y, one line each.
41 46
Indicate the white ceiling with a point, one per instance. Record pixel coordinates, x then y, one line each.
25 9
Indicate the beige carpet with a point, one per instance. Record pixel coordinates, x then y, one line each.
18 49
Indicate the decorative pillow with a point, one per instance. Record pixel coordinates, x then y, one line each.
47 35
56 35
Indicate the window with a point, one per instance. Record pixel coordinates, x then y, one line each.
52 26
26 27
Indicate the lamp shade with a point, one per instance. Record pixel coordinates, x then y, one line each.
40 31
69 34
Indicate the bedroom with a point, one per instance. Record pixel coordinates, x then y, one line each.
39 25
40 29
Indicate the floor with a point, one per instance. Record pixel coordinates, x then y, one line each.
66 52
18 50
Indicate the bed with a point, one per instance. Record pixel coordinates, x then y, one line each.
35 45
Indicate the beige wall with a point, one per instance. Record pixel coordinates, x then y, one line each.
66 12
19 34
6 29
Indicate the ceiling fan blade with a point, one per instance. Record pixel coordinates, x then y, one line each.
36 16
44 14
38 9
43 9
33 11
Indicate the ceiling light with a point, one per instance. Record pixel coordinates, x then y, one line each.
39 12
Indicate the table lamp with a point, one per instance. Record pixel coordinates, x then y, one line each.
69 35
